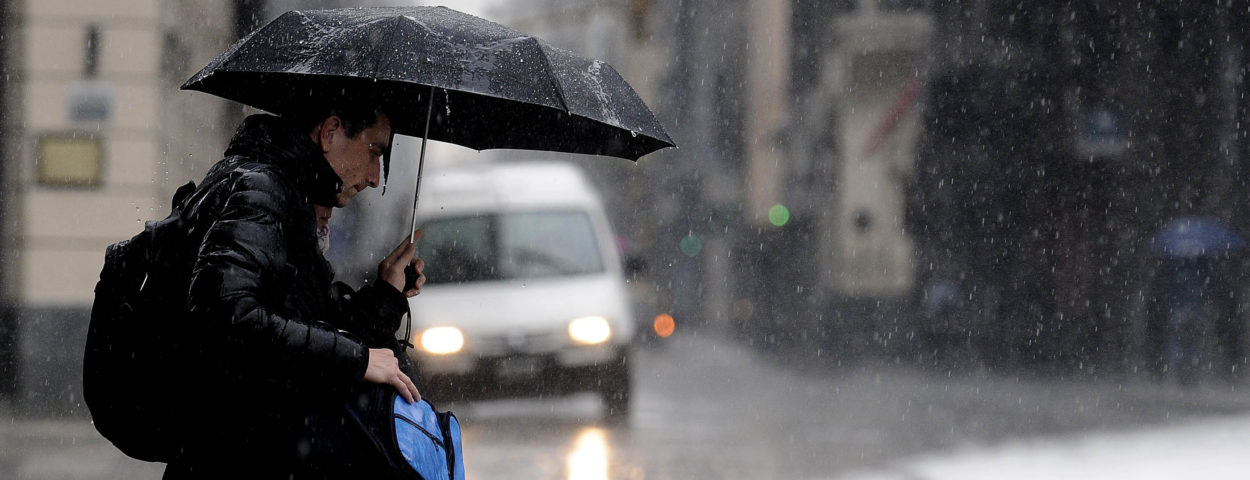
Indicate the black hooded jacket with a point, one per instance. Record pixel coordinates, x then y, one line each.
272 340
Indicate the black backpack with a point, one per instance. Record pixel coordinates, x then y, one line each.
129 376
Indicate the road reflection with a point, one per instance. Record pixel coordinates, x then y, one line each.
560 438
589 458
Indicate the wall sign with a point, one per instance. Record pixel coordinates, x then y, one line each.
68 160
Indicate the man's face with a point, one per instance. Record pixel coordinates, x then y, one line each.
358 160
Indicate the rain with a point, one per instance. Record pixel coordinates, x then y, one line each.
896 239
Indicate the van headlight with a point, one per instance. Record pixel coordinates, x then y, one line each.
590 330
442 340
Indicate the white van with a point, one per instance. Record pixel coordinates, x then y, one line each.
525 293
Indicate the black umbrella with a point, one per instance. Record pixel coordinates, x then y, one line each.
444 75
493 87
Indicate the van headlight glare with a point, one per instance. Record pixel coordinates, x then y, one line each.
442 340
590 330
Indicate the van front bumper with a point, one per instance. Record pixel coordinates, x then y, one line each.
467 376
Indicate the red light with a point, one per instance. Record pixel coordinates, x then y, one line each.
664 325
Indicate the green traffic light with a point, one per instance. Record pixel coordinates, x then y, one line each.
691 245
779 215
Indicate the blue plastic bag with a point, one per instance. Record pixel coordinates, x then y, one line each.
429 440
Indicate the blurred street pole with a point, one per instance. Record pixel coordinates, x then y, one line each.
768 101
9 345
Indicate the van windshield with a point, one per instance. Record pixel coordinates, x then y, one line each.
515 245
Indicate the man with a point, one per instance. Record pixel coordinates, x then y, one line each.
271 348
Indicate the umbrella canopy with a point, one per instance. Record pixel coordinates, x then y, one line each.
1192 237
488 86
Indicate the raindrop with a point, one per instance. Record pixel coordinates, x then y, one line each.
633 134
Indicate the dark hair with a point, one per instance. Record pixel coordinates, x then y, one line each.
355 115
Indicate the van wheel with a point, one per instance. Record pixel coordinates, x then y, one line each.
614 388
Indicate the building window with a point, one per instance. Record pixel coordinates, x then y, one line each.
91 56
68 160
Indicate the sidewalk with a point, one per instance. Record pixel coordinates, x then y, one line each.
975 425
63 449
1206 449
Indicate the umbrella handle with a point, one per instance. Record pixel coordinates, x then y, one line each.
410 277
429 112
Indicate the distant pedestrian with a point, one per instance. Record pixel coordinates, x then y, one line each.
945 331
1187 316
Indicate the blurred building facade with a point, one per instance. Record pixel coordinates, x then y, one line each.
780 214
855 90
97 138
836 157
780 217
1020 154
1059 138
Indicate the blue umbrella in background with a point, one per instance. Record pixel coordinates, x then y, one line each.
1192 237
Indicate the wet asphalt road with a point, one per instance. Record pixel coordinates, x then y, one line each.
709 409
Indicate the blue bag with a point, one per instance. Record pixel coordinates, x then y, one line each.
429 440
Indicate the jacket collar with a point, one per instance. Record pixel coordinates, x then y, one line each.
273 140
